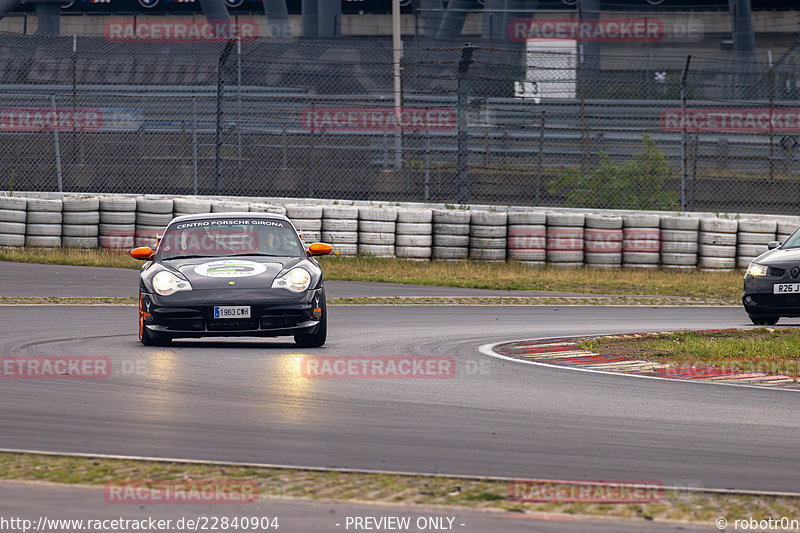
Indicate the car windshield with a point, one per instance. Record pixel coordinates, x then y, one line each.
793 241
230 236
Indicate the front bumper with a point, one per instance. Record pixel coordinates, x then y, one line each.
758 298
273 313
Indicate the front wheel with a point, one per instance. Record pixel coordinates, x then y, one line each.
764 320
145 336
316 339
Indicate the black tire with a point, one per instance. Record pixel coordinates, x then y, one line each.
316 339
764 320
145 336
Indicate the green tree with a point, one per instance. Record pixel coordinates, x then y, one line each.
639 183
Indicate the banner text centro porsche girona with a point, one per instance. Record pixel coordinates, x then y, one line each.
378 119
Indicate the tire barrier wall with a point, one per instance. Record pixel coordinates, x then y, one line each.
533 237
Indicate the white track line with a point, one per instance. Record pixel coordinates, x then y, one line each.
488 349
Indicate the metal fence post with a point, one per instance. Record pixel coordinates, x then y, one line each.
57 148
427 164
397 56
239 96
771 112
223 58
463 139
540 156
194 142
74 102
684 140
693 184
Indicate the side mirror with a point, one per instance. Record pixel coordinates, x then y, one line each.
143 253
320 248
773 244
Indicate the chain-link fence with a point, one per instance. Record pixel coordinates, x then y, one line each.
518 123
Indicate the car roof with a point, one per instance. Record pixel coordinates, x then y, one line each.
228 214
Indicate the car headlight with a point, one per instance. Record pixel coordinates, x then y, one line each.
166 283
296 280
757 270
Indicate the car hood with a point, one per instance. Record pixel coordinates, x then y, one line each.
780 257
245 272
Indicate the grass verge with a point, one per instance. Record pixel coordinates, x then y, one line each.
70 256
472 493
767 350
503 276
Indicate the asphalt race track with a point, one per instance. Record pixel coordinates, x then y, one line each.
26 279
245 400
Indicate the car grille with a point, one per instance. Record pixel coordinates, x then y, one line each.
191 324
776 272
777 299
287 319
232 325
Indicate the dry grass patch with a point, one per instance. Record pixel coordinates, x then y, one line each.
767 350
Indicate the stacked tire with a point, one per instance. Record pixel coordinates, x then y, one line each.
641 241
307 219
602 241
81 216
228 206
376 226
527 231
786 228
488 236
258 207
752 239
117 226
564 242
43 223
679 246
190 206
450 234
152 217
340 228
12 220
717 244
413 234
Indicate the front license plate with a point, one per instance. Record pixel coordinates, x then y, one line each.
786 288
231 311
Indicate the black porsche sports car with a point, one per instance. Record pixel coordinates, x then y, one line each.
232 274
772 283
